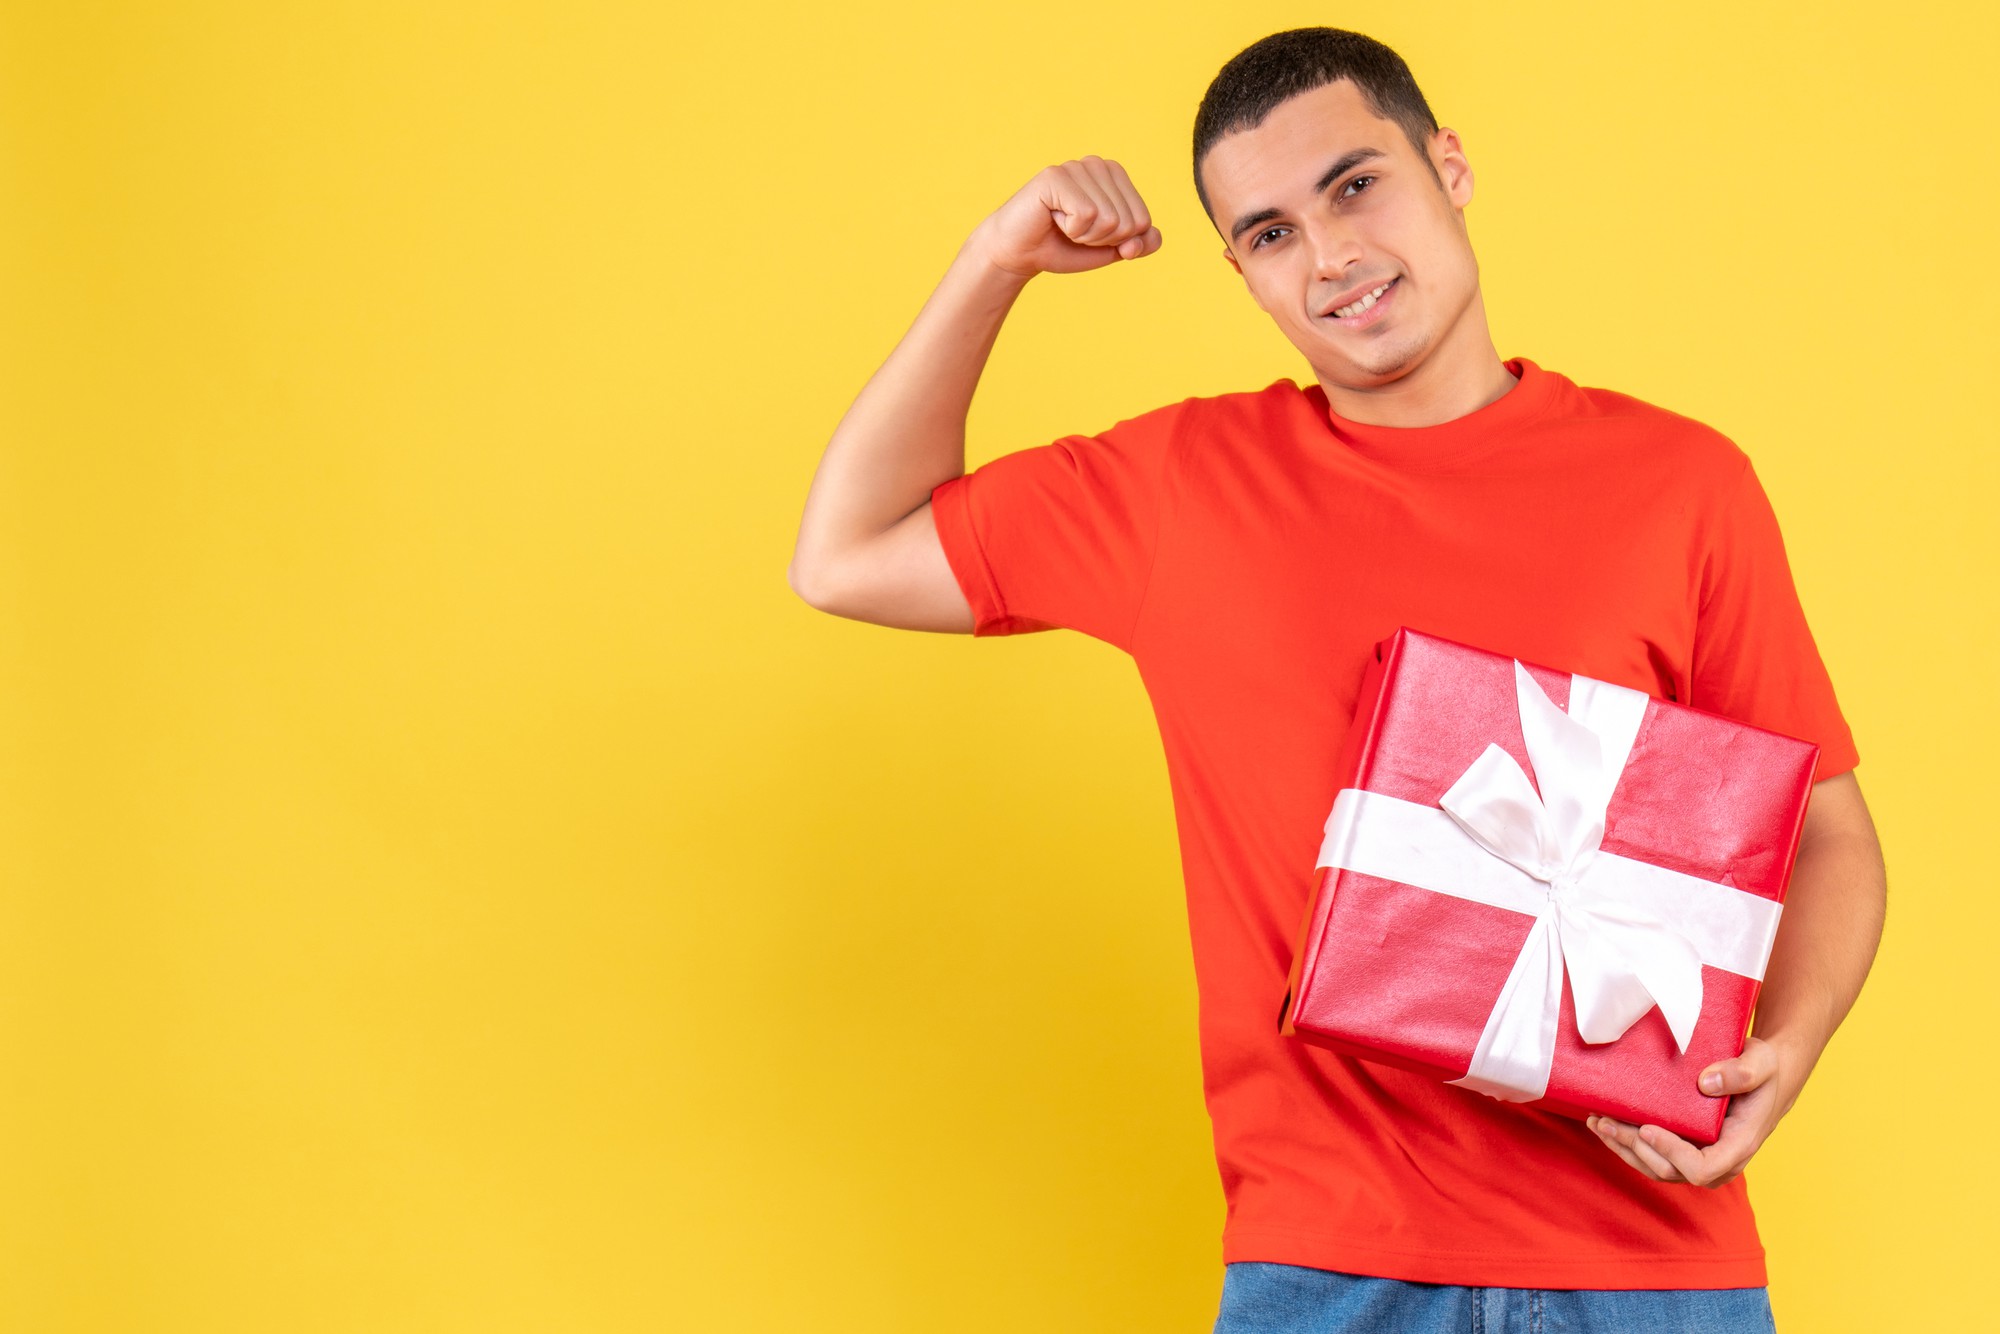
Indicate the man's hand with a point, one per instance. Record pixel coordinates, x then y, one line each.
1826 942
1070 218
1757 1081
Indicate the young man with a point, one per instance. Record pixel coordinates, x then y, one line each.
1248 550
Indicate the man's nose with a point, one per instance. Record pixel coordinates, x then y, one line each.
1334 250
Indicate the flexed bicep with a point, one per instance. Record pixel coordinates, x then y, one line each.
901 579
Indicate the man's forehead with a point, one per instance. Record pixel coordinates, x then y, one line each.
1286 152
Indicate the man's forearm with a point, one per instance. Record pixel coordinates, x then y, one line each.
1831 926
905 432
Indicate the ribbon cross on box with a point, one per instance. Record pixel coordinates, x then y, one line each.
1630 934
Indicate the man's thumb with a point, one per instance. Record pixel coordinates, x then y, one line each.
1136 247
1735 1076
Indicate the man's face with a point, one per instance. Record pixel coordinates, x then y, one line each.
1324 203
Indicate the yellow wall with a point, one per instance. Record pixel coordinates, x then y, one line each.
451 883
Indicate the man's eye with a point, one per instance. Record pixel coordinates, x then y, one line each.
1261 235
1358 180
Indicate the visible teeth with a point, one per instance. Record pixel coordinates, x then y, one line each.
1363 304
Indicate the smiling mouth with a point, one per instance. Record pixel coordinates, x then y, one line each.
1366 303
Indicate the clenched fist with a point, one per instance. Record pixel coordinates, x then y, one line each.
1071 217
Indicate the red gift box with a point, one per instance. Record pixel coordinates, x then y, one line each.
1546 888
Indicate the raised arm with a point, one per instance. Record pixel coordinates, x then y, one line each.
867 547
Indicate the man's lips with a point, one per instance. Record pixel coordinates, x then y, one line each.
1380 292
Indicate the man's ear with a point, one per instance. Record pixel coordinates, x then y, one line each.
1231 259
1454 173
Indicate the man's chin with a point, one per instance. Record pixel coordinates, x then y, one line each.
1374 366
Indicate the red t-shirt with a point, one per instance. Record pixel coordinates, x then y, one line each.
1248 550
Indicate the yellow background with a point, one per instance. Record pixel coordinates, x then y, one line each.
450 881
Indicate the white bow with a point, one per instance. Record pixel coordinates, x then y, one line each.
1632 933
1622 959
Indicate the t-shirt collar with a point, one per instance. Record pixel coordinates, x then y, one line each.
1421 447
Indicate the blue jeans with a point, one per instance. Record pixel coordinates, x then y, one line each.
1261 1298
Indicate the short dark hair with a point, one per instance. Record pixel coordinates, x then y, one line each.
1280 67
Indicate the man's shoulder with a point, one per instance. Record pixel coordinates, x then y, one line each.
1210 413
1220 411
1685 443
1282 392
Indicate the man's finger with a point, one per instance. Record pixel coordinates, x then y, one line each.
1138 247
1091 181
1609 1130
1730 1077
1662 1168
1625 1138
1077 208
1713 1166
1742 1073
1142 217
1119 208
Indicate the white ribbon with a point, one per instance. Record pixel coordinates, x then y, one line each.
1631 934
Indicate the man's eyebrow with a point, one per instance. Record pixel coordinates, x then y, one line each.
1343 164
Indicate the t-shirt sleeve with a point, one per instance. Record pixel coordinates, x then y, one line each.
1754 656
1063 535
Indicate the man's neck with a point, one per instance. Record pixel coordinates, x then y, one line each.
1450 383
